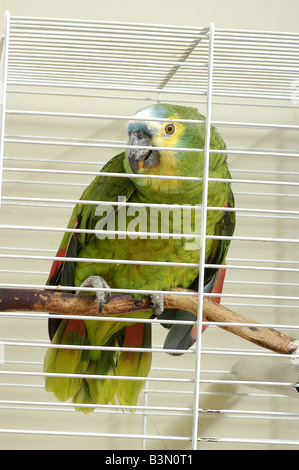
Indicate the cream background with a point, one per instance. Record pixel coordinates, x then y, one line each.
264 15
258 15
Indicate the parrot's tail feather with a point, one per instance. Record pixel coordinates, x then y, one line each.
83 396
181 336
67 362
134 364
184 336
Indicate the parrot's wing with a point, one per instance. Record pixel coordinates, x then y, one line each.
224 228
102 188
183 336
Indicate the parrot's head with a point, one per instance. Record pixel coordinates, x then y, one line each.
166 127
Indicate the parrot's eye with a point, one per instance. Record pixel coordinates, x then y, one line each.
170 129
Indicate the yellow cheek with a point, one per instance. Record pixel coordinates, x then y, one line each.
167 166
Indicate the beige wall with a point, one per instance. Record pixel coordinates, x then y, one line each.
263 15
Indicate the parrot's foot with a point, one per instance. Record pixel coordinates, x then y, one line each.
98 283
158 303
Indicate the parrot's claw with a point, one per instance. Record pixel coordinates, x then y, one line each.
98 283
158 303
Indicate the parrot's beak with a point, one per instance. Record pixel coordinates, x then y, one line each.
142 157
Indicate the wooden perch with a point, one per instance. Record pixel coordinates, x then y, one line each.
70 304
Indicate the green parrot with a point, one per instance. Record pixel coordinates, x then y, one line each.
158 126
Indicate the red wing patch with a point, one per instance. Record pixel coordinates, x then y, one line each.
218 286
61 254
58 263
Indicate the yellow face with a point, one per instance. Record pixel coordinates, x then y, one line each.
167 135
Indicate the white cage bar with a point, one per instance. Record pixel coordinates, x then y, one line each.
68 88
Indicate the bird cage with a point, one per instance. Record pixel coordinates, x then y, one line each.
68 89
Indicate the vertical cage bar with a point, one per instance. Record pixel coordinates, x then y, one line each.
144 418
3 84
203 238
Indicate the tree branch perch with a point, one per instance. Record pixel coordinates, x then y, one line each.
56 302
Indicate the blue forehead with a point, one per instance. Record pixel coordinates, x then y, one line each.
150 127
139 126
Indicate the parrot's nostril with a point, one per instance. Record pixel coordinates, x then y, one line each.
148 155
